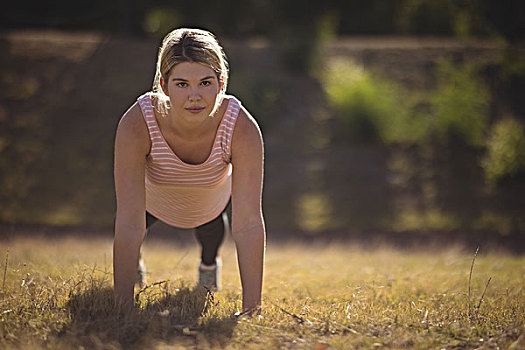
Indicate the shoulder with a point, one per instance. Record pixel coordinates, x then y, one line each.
247 136
244 121
132 127
246 126
133 120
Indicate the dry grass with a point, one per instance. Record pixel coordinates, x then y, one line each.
57 295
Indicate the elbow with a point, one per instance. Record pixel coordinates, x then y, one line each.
129 233
255 231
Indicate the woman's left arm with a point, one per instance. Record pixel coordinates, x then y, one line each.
248 228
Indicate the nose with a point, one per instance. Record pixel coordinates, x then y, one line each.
194 95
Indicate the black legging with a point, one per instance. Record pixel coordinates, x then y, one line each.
210 235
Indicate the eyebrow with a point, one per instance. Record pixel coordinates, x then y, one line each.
205 78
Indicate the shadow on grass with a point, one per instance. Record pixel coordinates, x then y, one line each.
165 318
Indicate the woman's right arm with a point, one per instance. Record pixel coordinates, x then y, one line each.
132 145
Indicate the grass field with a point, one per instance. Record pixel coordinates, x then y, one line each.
56 294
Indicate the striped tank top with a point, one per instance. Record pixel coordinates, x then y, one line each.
188 195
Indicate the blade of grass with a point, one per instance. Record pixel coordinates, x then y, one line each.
482 296
299 319
469 281
5 273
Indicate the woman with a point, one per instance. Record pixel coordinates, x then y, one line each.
181 152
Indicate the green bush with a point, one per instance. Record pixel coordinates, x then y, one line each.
376 109
460 104
372 108
505 151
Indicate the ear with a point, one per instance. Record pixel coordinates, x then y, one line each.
164 86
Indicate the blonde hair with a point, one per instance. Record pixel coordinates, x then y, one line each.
189 45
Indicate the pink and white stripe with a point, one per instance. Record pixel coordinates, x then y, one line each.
188 195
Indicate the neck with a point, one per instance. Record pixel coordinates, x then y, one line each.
189 130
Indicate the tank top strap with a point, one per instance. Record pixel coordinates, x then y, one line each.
228 125
146 106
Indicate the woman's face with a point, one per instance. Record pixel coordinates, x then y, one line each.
192 89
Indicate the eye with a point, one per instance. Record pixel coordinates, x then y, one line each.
181 84
206 83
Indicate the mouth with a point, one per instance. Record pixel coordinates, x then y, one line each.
195 110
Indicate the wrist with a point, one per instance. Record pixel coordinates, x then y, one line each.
251 303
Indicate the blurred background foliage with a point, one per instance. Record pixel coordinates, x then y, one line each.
425 136
370 108
505 155
235 18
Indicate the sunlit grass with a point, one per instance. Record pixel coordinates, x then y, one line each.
57 295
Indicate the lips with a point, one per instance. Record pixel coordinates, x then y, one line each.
195 110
